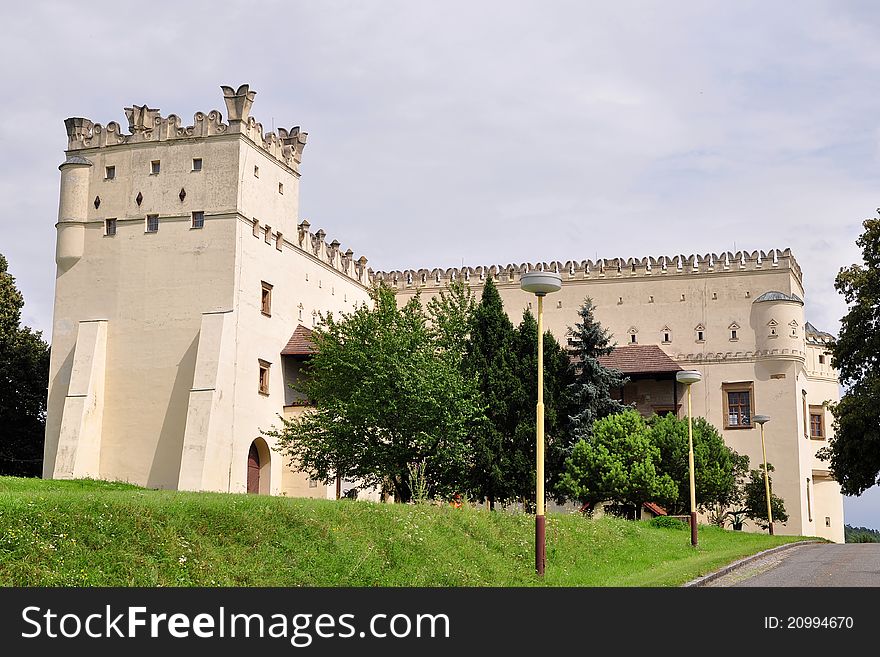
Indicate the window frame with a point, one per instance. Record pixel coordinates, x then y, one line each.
263 381
198 221
110 227
147 223
110 172
817 410
266 298
198 168
155 167
738 387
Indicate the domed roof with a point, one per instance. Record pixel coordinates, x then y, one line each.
776 295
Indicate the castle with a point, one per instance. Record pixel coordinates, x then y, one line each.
187 287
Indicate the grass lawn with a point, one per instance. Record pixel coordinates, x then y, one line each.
91 533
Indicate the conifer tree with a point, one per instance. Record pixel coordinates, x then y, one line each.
594 383
499 462
558 377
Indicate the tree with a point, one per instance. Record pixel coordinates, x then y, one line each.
755 498
618 464
854 449
450 314
717 468
386 402
501 461
24 379
558 377
591 390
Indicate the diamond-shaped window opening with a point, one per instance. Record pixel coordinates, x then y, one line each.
97 202
182 194
139 198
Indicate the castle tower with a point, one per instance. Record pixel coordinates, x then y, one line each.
182 272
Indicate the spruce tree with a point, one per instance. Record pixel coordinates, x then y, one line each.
558 376
594 383
499 461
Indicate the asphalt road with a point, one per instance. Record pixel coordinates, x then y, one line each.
851 564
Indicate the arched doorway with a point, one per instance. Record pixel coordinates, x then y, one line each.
258 468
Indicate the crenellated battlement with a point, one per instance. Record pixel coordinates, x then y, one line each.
331 254
146 125
602 269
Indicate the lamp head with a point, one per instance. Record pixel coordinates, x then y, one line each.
761 419
541 282
688 377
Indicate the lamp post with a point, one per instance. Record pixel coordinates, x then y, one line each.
761 419
690 377
540 283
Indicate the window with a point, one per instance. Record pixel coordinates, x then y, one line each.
197 164
264 377
109 227
154 167
152 223
821 359
827 521
700 336
738 405
733 334
666 337
817 422
280 188
256 172
632 338
198 219
109 173
266 298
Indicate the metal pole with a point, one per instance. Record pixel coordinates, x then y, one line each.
540 552
691 473
766 481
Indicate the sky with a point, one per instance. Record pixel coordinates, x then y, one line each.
479 133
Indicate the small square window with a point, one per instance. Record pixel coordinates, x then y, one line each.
197 164
109 173
821 359
280 188
266 298
264 377
154 167
152 223
256 172
109 227
198 219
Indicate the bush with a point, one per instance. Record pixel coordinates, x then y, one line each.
666 522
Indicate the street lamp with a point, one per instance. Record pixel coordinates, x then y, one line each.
690 377
540 283
761 419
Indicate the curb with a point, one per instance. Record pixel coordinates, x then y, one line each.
705 579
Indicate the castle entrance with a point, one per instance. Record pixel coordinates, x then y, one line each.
258 470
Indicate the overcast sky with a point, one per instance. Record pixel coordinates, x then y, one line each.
443 133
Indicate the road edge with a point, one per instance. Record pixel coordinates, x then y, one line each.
705 579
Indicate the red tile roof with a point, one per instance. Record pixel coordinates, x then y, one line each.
300 343
639 359
656 509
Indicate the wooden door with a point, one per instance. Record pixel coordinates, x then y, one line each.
253 473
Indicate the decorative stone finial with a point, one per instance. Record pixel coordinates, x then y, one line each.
238 103
78 128
140 118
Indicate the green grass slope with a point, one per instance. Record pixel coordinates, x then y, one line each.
91 533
